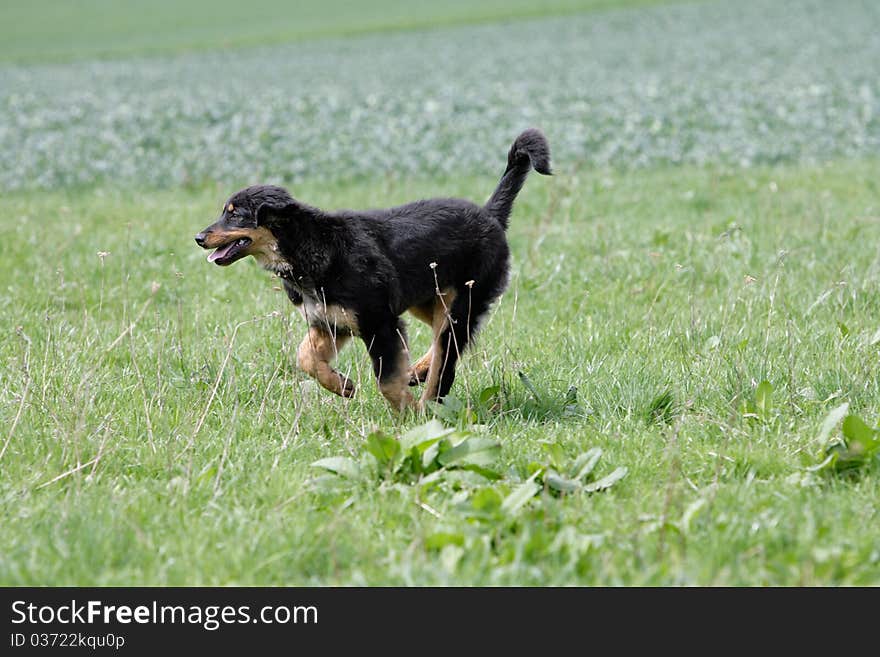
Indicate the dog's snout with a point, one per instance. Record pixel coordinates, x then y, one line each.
200 239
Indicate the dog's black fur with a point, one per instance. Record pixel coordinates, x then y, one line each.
373 265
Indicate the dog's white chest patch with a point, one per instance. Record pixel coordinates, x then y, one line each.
330 317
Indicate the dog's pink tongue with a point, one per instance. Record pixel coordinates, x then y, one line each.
222 251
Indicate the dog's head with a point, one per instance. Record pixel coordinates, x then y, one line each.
243 228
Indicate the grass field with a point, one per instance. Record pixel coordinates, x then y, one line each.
694 302
58 30
661 85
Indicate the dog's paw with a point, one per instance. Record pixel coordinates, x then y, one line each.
417 377
346 387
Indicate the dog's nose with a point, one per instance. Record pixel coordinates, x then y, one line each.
200 239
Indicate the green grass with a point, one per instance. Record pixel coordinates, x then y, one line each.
695 319
696 282
673 84
49 30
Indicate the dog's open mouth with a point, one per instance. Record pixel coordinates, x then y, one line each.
229 253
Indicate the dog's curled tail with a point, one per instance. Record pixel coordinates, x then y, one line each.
530 150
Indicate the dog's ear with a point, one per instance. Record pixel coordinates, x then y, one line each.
269 213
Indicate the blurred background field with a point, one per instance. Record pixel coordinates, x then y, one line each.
746 83
60 30
712 225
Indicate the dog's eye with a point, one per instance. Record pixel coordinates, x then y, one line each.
230 208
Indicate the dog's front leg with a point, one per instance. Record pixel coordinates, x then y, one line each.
314 355
390 356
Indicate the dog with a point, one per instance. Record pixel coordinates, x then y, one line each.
354 273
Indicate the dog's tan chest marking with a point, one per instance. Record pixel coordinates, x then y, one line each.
264 249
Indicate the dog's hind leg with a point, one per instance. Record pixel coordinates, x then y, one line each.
438 354
314 355
433 314
418 371
456 320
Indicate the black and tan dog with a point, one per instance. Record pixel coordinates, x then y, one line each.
354 273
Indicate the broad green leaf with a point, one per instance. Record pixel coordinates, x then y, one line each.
454 411
457 437
451 410
487 394
585 463
341 465
385 448
475 451
521 495
831 420
858 433
557 482
452 403
412 462
847 460
607 481
424 435
534 467
862 443
326 482
429 479
828 462
488 473
464 478
764 400
429 456
486 499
